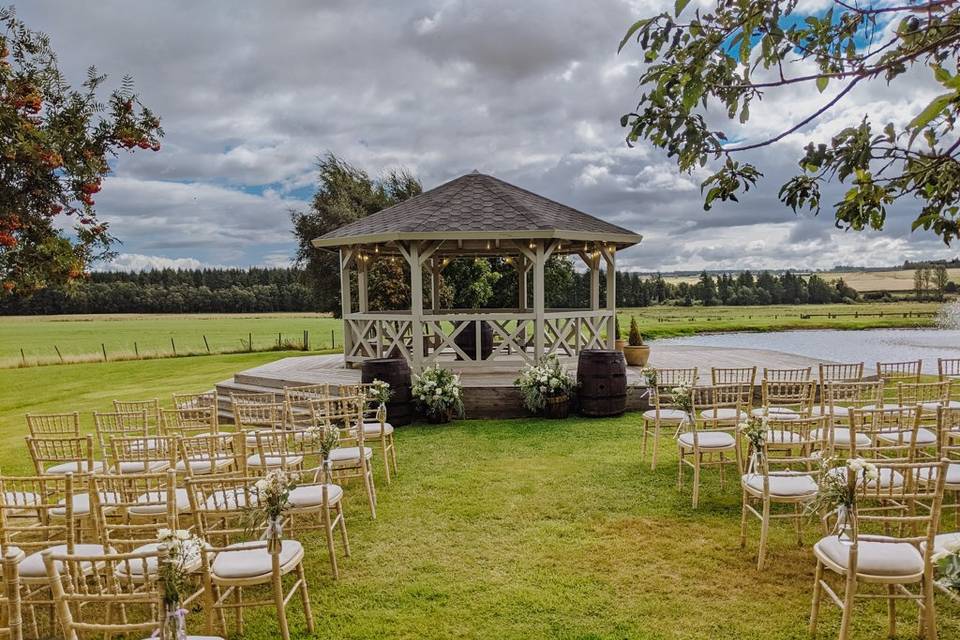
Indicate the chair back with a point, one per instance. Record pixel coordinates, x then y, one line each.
152 407
275 449
733 375
42 425
791 438
195 400
344 414
221 453
126 424
36 512
190 421
907 371
840 372
11 624
298 402
796 395
141 454
927 395
892 433
259 415
675 377
132 509
948 368
838 396
795 374
219 506
948 434
720 406
76 451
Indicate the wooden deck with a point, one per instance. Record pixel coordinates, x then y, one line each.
491 393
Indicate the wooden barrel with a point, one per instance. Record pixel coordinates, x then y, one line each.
602 380
467 340
395 372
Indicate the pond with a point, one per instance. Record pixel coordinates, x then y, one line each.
868 345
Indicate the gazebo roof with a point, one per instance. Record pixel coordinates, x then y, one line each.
477 207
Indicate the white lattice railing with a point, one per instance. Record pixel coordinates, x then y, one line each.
565 333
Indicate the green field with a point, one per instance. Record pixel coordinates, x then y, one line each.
83 337
509 529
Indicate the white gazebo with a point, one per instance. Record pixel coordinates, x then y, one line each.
475 215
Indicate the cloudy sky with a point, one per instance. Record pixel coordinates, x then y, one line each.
250 93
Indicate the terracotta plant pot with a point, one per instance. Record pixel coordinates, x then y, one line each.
557 408
636 356
619 345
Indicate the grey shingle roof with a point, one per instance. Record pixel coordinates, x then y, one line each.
476 204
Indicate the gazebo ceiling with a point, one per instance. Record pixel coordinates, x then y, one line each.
475 213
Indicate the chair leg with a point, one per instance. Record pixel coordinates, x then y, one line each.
929 611
848 595
305 596
892 611
328 531
343 529
238 616
386 458
817 592
643 441
697 459
680 470
764 533
743 520
371 492
393 455
279 605
798 523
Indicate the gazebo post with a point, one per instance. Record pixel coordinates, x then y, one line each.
522 267
363 300
416 304
435 285
346 297
539 310
610 257
594 264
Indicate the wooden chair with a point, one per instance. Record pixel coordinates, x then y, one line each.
152 407
106 603
893 372
55 456
733 375
219 508
119 425
711 436
886 535
663 412
840 397
201 400
143 454
11 626
207 454
298 401
352 459
190 421
892 434
928 396
948 448
785 472
54 425
275 449
796 374
376 429
250 417
840 372
786 399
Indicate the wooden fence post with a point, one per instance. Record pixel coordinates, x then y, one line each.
103 348
136 350
23 356
174 345
206 344
59 355
306 340
250 342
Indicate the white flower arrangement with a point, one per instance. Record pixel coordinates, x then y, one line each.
649 374
379 391
181 556
755 430
682 397
327 438
548 379
437 392
837 494
272 497
947 563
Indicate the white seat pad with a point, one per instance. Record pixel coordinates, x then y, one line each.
155 502
888 477
373 428
349 454
931 407
780 436
953 473
708 440
239 562
788 486
136 567
841 436
204 465
826 411
885 405
228 499
941 540
81 504
723 414
80 466
666 415
778 413
25 498
311 495
924 437
256 460
32 566
146 466
874 558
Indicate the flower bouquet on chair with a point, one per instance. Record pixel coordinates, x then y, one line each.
272 494
380 393
179 556
837 495
754 429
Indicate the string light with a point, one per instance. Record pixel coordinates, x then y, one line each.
508 260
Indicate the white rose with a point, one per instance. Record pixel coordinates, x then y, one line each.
261 485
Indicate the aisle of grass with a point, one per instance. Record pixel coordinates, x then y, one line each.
510 529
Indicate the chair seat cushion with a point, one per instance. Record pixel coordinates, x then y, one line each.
256 460
81 504
238 562
931 407
666 415
229 499
841 436
781 436
24 498
953 474
343 456
886 559
708 440
723 414
924 437
373 429
144 466
941 541
885 405
81 466
155 503
778 413
203 465
826 411
787 485
311 495
888 477
137 567
32 566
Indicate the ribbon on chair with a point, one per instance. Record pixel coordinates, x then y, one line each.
273 534
177 618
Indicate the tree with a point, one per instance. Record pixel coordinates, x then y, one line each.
926 275
55 144
344 194
918 288
941 278
724 59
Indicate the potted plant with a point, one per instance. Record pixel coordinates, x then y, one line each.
437 394
546 387
618 341
636 352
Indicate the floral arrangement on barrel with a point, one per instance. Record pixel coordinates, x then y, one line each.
271 499
546 387
636 352
754 429
838 492
380 392
438 394
947 563
179 557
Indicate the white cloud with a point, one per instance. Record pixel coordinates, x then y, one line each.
140 262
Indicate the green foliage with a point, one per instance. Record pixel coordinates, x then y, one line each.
635 339
438 392
547 379
471 281
723 59
56 143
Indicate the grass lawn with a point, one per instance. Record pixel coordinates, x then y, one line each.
510 529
